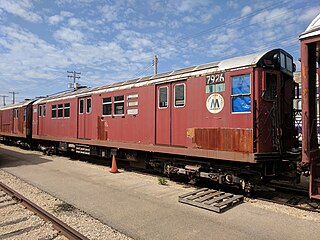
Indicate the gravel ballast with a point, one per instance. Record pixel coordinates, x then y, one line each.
85 224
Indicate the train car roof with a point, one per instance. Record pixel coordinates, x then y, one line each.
184 73
313 29
17 105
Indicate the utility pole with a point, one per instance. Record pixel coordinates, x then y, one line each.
155 65
13 96
74 76
4 99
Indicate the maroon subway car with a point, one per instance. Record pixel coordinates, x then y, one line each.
230 121
15 121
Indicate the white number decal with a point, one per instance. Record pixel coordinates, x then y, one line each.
215 78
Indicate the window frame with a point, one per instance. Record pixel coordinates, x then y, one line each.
167 87
44 110
266 84
90 109
184 95
25 114
107 103
117 102
239 95
64 110
81 100
60 108
40 111
15 113
54 108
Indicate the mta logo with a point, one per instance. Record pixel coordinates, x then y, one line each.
215 103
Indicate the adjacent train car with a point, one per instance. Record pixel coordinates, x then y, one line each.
310 61
230 121
15 121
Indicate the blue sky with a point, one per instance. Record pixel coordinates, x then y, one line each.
110 41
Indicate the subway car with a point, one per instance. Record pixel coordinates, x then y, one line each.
231 121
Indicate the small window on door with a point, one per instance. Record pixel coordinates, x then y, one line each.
40 111
89 106
270 93
179 95
81 106
44 111
15 113
163 97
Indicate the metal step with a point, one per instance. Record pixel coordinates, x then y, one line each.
212 200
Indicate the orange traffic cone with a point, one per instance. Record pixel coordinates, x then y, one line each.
114 168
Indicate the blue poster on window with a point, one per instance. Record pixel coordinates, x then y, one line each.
241 104
240 84
240 91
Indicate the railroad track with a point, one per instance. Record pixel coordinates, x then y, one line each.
287 195
61 227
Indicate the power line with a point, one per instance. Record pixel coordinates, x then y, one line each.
4 99
223 25
232 21
14 96
142 71
74 76
155 65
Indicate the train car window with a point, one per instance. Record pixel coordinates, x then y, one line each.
289 64
179 95
44 111
24 114
54 111
107 106
15 113
81 107
89 105
40 111
282 60
240 94
119 105
163 97
66 110
270 93
60 110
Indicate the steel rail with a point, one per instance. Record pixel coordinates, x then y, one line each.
60 226
287 204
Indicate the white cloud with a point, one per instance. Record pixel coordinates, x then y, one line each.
225 50
190 5
233 4
225 36
36 61
135 40
120 25
272 17
109 13
199 11
309 14
55 19
69 35
76 22
22 8
246 10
